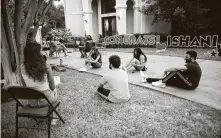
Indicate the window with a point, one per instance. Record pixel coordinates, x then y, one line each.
108 6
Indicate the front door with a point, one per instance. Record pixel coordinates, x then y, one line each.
109 26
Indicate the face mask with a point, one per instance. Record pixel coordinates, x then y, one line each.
110 67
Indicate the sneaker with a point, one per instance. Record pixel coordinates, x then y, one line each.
83 69
159 84
144 79
143 75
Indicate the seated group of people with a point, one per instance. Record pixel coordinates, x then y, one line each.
186 77
38 74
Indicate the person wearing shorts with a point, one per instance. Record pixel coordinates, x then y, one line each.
117 81
87 47
94 59
138 61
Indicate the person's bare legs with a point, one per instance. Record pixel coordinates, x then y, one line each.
65 53
133 63
87 65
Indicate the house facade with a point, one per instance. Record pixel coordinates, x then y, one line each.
109 17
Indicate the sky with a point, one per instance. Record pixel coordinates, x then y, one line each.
56 3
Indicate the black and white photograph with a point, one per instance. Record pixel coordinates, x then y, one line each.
110 69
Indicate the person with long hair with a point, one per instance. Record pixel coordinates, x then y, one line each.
37 74
94 59
138 61
88 44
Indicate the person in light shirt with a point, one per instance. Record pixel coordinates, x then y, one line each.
37 74
117 82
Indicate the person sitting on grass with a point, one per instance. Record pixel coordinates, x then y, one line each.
138 61
94 59
87 46
37 74
186 77
117 80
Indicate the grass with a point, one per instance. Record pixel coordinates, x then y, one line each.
148 114
175 52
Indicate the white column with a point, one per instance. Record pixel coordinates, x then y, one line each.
87 16
137 19
88 22
143 23
121 19
74 16
99 17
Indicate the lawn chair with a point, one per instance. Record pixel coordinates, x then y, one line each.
25 93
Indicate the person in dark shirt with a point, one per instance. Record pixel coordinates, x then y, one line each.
94 59
186 77
87 47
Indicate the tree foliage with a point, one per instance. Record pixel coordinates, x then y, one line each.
184 13
54 19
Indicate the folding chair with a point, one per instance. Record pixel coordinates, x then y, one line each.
26 93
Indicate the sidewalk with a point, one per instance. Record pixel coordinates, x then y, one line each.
208 92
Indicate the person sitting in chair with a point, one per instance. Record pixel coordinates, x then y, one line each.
56 46
186 77
138 61
94 59
117 80
37 74
87 47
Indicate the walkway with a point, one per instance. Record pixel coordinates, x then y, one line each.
208 92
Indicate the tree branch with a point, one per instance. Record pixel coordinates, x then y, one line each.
40 4
6 65
30 16
46 9
17 20
7 23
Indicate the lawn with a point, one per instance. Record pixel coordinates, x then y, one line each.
148 114
175 52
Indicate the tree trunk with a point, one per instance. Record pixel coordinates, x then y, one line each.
9 42
28 22
7 24
39 21
17 23
10 77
